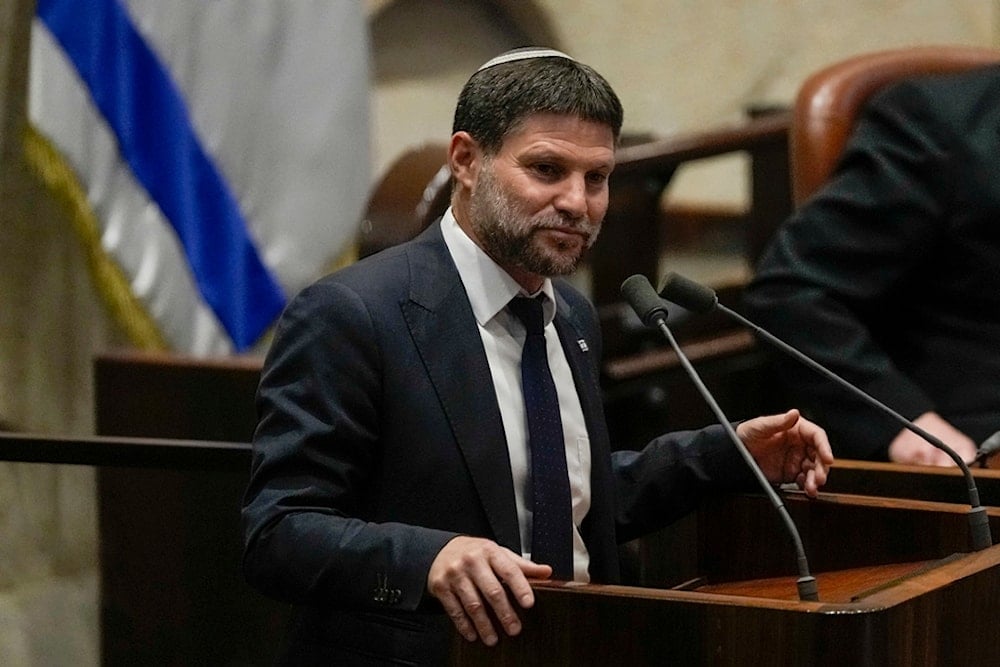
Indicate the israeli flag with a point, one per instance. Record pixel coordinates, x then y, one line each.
213 155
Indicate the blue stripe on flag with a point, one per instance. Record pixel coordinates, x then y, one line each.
149 117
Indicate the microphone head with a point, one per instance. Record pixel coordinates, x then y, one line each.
688 294
990 446
643 299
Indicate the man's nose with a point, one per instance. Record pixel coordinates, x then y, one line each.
572 198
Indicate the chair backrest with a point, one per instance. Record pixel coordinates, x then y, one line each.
414 191
829 101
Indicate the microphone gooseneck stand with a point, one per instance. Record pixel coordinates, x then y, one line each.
649 307
698 298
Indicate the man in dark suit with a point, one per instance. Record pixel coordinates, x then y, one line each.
394 460
890 275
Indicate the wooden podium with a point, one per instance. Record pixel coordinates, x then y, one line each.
172 591
897 583
896 587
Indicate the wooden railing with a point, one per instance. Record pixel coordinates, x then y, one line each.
124 452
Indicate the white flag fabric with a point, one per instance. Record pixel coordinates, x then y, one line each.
214 154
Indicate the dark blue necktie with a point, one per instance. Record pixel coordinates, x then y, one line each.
552 509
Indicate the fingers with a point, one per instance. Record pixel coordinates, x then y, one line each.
789 448
810 481
914 450
515 573
910 447
817 443
802 466
817 456
471 578
761 428
820 470
465 608
793 464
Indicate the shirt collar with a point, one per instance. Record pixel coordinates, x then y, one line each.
487 285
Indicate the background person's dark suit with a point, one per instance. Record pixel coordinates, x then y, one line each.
381 439
890 275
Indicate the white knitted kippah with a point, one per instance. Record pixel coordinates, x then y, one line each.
524 54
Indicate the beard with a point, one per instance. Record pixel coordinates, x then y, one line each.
514 239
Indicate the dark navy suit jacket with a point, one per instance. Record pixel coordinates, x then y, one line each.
380 439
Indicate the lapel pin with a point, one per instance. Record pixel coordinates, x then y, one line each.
583 345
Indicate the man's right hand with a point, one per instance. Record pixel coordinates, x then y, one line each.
470 573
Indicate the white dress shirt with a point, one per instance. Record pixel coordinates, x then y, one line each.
490 289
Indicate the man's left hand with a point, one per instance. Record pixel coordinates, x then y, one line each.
789 448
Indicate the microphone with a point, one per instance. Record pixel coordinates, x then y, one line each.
990 446
648 305
701 299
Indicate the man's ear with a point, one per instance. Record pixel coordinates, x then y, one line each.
464 159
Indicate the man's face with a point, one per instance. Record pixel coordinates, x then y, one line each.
537 205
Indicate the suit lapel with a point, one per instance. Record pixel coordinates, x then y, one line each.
443 328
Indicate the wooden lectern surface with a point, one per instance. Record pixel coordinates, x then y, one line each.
904 598
841 587
896 480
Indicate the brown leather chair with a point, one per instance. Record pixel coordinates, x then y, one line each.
829 101
413 192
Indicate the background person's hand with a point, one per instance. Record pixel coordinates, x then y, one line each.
908 447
